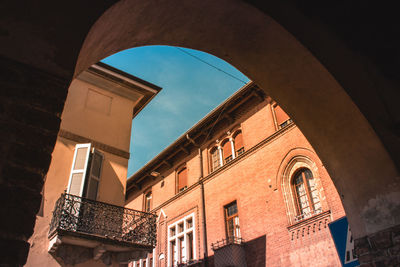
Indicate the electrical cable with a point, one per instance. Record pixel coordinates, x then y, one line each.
209 64
215 122
226 73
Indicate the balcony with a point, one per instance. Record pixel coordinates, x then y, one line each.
309 224
99 230
229 252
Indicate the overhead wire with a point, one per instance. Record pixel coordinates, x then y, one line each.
219 69
211 65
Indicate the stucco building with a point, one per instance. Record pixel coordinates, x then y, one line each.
82 219
242 187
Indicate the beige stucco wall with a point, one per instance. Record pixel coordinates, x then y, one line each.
98 115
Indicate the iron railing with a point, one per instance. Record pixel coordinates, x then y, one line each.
306 215
229 252
93 219
228 241
190 263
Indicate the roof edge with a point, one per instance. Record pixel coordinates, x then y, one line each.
183 136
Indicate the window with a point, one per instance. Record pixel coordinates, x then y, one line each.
282 119
173 253
306 194
181 244
215 160
238 141
182 179
172 231
147 201
181 248
232 221
227 151
190 246
85 171
285 123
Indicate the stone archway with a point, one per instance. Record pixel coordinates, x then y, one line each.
362 170
345 138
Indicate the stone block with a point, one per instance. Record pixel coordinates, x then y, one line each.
17 176
396 235
361 246
30 157
20 206
15 132
395 250
381 240
29 115
13 252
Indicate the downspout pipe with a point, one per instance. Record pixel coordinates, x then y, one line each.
203 200
203 207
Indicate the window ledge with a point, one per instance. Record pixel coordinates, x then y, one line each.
310 225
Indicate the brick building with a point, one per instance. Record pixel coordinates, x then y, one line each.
242 187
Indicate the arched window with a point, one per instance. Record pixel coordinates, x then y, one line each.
306 194
227 151
238 141
215 160
182 179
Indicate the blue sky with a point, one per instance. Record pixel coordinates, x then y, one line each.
191 89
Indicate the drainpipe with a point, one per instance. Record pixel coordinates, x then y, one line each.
203 201
203 207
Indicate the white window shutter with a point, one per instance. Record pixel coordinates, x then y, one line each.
94 174
78 169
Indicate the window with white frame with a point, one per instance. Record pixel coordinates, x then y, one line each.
147 205
181 245
215 158
148 262
85 171
226 150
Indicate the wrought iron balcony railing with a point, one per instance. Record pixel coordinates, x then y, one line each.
87 218
228 241
229 252
306 215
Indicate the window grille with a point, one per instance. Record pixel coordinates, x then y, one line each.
306 193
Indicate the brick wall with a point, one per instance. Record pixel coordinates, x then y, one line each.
254 181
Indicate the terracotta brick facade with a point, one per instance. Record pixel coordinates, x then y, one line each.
259 180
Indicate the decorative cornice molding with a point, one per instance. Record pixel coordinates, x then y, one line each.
243 156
